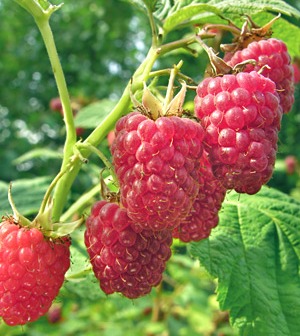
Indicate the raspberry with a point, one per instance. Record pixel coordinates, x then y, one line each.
241 116
296 72
274 54
32 270
157 164
204 214
125 258
290 164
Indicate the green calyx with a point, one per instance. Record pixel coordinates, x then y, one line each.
43 220
170 106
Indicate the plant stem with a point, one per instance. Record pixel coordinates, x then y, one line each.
85 199
48 38
170 89
183 43
136 83
82 201
156 304
46 32
49 191
167 72
102 157
153 28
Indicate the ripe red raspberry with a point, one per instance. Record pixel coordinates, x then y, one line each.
274 54
204 214
32 270
157 163
125 258
296 72
241 116
290 164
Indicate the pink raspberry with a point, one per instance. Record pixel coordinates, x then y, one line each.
125 258
32 271
272 53
157 163
296 72
290 164
241 116
204 214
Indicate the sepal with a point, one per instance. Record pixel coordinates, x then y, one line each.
64 229
175 107
18 218
151 103
43 221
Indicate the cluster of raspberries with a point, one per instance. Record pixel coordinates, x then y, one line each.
241 114
174 172
158 164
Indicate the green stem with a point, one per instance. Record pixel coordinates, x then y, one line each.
156 304
80 203
81 274
183 43
103 158
167 72
136 83
170 89
49 191
85 200
62 88
46 32
153 28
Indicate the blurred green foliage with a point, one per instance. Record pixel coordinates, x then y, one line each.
98 53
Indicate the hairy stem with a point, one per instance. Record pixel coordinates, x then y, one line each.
46 32
183 43
153 27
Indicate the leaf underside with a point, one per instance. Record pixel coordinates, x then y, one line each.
254 252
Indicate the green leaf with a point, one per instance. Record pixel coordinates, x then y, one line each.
250 7
151 4
92 115
214 10
27 195
137 3
80 278
38 153
186 14
254 253
283 30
